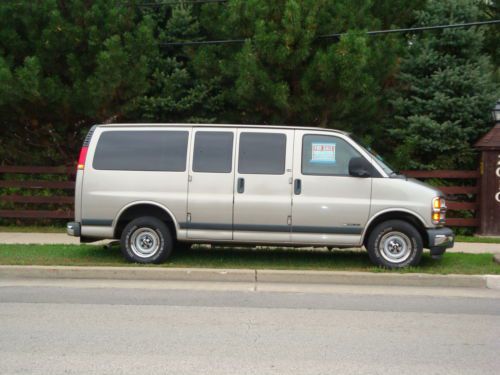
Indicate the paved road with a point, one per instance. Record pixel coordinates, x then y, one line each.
117 327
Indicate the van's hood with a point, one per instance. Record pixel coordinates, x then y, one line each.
435 190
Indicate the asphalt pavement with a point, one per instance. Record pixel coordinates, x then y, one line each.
158 327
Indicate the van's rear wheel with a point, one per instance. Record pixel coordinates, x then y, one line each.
395 244
146 240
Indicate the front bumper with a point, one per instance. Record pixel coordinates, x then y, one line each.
440 239
74 229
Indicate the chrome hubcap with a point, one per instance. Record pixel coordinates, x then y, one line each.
395 247
144 242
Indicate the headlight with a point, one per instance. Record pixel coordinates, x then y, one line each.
438 210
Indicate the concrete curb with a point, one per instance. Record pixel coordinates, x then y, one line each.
251 276
368 278
127 273
493 282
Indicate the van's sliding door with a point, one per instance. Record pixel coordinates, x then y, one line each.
262 186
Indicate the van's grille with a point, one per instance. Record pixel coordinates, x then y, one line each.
86 142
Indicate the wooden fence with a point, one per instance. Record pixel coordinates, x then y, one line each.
26 202
25 185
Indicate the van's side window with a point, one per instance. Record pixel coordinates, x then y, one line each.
326 155
142 151
262 153
213 152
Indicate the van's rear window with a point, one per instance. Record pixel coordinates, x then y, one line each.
142 151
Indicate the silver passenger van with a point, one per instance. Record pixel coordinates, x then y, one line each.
157 187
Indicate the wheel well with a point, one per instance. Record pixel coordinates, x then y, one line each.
398 215
143 209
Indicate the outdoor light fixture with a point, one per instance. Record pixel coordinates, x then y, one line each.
496 112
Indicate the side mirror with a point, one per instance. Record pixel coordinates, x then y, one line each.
360 167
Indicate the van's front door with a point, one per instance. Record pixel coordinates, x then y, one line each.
210 188
329 206
263 185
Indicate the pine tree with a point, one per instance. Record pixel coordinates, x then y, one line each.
177 93
491 10
446 91
65 65
285 73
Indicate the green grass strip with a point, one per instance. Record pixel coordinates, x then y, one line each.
60 229
205 257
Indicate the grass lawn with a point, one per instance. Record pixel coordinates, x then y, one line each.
203 257
61 229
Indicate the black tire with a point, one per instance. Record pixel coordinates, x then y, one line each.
395 244
143 232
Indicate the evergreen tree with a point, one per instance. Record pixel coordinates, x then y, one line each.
446 90
491 10
285 73
177 93
65 65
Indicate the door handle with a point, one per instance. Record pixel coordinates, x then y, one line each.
241 185
297 186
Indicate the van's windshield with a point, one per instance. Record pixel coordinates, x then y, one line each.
376 157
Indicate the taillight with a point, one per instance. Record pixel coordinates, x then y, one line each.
83 156
84 149
438 210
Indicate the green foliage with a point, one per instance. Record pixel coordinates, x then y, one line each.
446 91
65 65
491 10
176 92
286 74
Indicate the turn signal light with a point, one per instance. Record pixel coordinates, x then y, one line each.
436 203
438 210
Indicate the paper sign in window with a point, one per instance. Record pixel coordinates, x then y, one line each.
323 153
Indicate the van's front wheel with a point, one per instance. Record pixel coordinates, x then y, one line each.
395 244
146 240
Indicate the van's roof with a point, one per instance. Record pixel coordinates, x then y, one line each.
225 126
